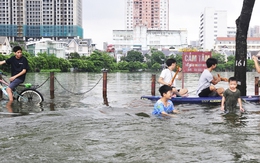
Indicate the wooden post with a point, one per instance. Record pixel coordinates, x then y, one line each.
52 106
153 85
52 85
105 87
256 86
1 92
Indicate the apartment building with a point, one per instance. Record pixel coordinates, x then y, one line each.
55 19
213 24
154 14
227 46
141 38
147 26
254 31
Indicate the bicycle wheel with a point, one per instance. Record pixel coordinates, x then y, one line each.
31 96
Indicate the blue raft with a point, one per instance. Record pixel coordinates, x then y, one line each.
200 100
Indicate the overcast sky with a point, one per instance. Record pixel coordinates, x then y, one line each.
101 17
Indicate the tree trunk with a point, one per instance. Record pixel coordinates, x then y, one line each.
242 24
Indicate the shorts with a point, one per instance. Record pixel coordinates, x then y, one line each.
208 93
177 89
15 83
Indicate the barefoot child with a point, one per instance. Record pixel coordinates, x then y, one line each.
164 106
231 97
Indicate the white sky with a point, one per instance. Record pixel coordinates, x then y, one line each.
101 17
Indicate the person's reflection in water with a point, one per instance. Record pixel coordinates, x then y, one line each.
9 107
235 120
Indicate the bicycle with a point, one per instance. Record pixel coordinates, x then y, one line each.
28 94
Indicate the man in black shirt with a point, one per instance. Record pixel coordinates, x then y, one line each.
19 67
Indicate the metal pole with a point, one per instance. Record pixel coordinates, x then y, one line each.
153 85
256 86
52 85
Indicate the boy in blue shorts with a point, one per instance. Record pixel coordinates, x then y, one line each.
164 106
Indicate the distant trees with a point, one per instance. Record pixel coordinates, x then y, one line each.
133 56
98 60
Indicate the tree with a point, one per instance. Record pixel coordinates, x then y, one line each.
219 57
74 55
134 66
156 66
242 24
179 60
157 57
64 65
133 56
123 65
102 60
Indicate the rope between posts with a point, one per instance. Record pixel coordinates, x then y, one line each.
78 93
38 86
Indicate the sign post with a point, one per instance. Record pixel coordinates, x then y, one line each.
194 62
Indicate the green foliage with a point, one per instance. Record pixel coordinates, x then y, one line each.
157 57
219 57
64 65
50 70
231 58
250 65
123 65
102 60
156 67
230 64
178 59
99 60
133 56
134 66
82 65
74 55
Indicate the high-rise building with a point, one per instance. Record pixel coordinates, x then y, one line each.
154 14
213 24
254 31
55 19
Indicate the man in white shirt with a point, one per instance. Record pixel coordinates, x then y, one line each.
167 75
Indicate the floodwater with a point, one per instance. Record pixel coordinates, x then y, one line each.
80 128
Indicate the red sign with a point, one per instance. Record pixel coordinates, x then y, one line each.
194 62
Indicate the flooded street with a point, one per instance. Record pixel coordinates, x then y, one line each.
80 128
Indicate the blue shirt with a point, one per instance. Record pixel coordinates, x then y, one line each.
159 107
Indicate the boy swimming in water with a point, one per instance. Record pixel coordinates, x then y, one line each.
164 106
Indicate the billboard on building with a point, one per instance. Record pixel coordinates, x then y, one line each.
194 62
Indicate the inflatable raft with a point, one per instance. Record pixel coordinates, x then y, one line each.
201 100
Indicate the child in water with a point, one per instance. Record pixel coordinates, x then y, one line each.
164 106
231 97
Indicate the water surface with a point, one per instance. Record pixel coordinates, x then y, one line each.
80 128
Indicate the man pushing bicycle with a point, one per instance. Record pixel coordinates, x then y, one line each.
19 68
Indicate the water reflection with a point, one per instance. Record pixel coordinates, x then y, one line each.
235 120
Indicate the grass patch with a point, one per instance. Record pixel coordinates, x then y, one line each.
50 70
